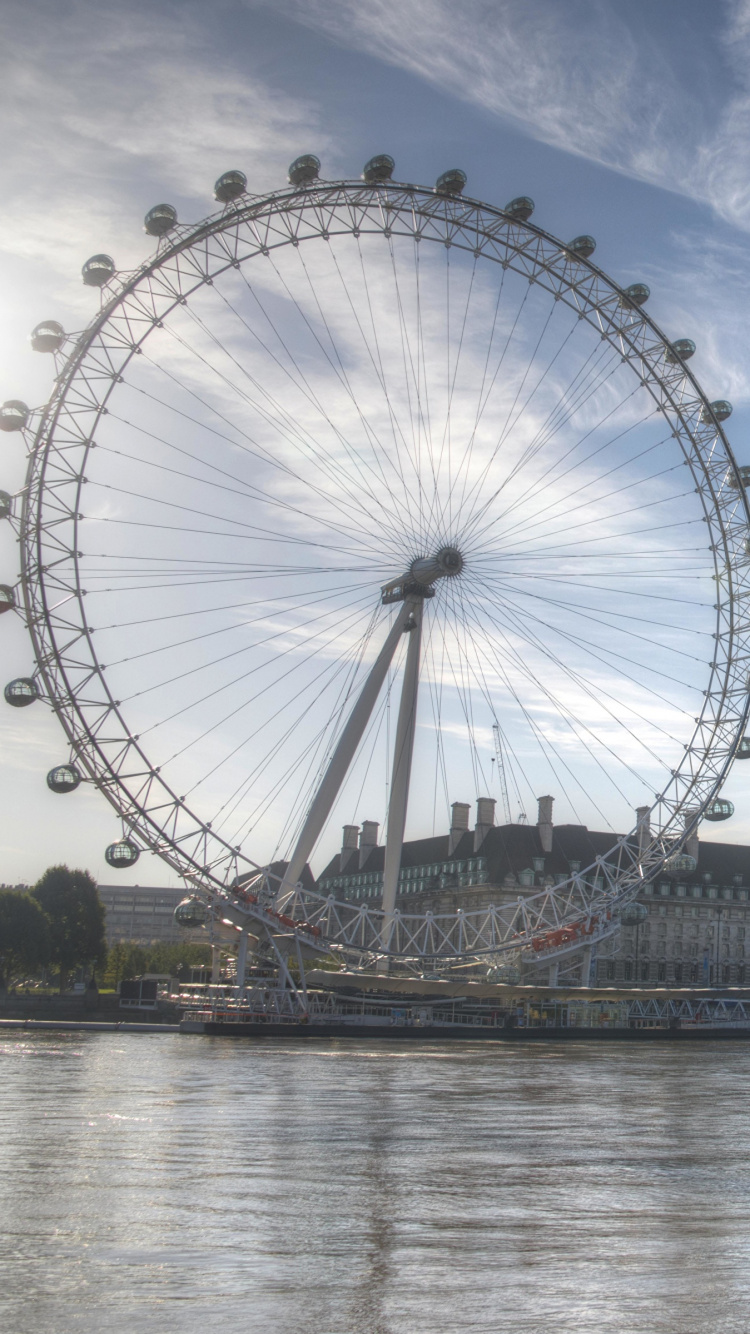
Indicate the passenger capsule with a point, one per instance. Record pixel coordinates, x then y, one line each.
718 411
508 974
680 863
731 478
582 246
633 914
230 186
638 294
122 854
98 270
7 598
48 336
304 170
6 505
64 778
520 208
22 691
451 182
682 350
13 415
719 809
380 168
743 750
191 912
160 220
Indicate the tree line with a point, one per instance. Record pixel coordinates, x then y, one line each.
59 925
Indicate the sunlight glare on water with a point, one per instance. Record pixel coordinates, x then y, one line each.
163 1182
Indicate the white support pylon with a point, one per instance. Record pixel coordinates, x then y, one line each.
401 771
242 959
343 755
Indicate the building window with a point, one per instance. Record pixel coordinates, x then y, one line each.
662 971
678 973
628 970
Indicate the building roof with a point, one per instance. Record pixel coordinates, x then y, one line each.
510 849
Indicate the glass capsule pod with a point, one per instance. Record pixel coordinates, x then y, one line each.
230 186
680 863
14 414
633 914
520 208
122 854
731 480
47 336
191 912
21 692
507 973
7 598
304 170
582 246
98 270
718 411
160 220
451 182
743 749
6 505
637 294
682 350
718 809
379 168
63 778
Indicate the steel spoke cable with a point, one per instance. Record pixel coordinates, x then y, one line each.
478 514
587 610
257 452
328 732
228 629
244 649
289 427
371 436
235 681
546 746
520 626
412 376
393 458
591 645
257 492
539 486
576 724
528 524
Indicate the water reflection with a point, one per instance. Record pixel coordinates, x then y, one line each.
162 1182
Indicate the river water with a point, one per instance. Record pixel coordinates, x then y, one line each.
173 1183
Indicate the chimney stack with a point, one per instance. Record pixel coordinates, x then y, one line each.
349 846
691 842
459 824
643 827
368 840
485 820
544 822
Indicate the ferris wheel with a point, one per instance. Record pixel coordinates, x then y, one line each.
345 483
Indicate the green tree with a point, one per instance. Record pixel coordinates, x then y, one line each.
72 904
24 936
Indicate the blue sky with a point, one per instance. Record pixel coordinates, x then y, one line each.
629 121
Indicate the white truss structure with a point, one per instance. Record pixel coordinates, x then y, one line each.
61 435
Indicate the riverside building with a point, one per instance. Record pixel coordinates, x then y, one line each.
696 928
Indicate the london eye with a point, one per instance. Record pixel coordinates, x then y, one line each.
343 484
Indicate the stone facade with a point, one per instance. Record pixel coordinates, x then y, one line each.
696 932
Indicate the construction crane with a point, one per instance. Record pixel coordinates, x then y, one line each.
501 772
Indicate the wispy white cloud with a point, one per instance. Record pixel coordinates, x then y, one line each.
578 77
